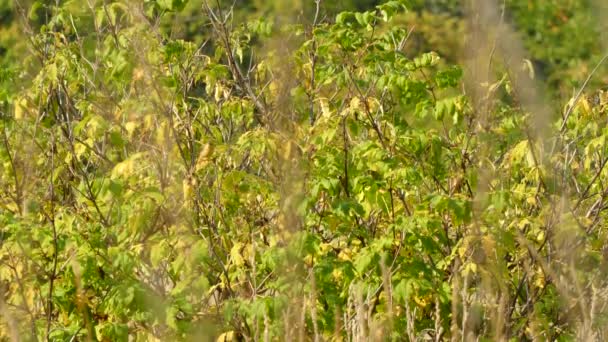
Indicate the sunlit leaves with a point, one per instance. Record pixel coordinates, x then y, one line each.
142 186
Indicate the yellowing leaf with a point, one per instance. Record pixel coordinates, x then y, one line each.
158 254
355 104
219 90
226 337
337 274
126 168
20 108
345 255
325 111
520 153
204 157
290 150
583 106
373 104
130 127
421 301
539 279
148 121
274 88
188 188
235 254
308 260
540 237
470 268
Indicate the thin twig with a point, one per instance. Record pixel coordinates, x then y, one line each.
580 93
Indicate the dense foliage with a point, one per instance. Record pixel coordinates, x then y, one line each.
188 170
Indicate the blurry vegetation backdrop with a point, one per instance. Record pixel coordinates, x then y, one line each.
290 170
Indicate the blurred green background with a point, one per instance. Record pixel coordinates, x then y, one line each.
563 37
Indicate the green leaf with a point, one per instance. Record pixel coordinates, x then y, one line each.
172 5
390 8
366 258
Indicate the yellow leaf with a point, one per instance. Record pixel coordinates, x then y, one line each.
274 88
20 108
204 157
470 268
540 237
583 106
290 150
235 254
355 104
539 280
219 90
373 104
324 248
308 260
188 188
148 121
127 167
421 301
130 127
324 107
226 337
337 274
345 255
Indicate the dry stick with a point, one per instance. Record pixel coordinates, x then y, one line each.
53 275
438 322
530 98
465 312
26 306
580 93
13 331
584 194
345 180
302 323
388 289
18 197
502 20
313 60
482 105
313 307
